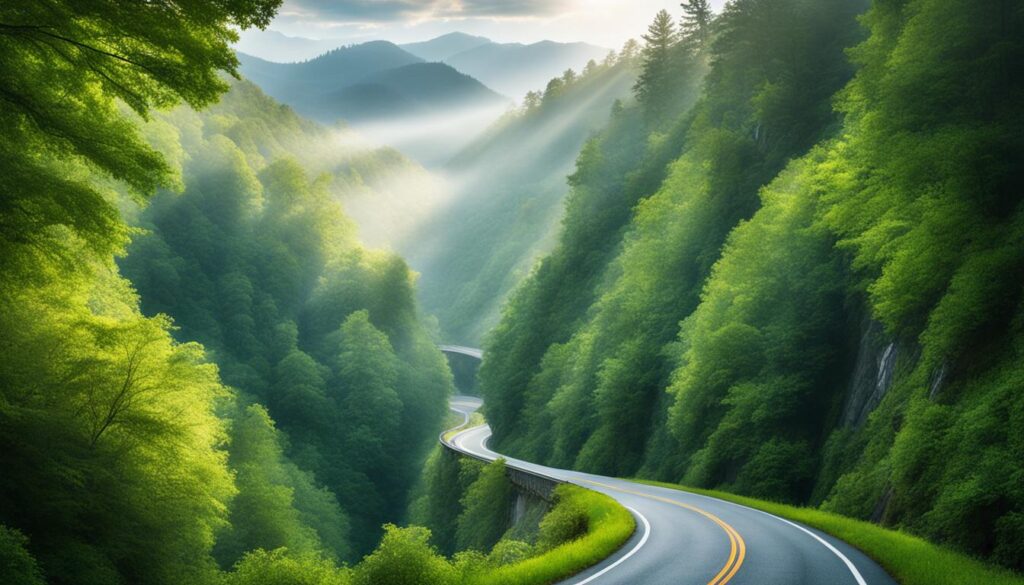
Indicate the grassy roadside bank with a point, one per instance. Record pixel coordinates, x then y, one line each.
609 526
909 559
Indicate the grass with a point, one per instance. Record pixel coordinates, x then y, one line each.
455 420
609 527
909 559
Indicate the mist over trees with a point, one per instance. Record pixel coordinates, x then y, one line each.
787 266
131 452
474 249
255 260
719 272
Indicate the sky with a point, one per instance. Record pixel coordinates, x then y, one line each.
606 23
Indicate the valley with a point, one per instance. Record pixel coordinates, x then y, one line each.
395 293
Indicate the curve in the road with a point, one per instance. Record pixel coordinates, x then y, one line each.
692 539
463 350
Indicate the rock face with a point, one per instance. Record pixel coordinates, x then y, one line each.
938 380
872 374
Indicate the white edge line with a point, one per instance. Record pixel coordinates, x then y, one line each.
622 559
647 532
849 564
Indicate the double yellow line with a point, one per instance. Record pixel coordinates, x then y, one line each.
737 547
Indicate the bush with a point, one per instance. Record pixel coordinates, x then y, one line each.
485 509
608 527
405 557
277 567
16 564
566 522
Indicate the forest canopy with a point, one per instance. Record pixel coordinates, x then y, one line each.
803 288
218 388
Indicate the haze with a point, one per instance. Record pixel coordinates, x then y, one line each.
606 23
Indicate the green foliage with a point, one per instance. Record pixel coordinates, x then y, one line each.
16 564
125 458
697 22
486 508
566 522
405 557
576 372
278 505
441 505
473 251
748 272
283 567
112 454
256 260
609 526
764 334
662 59
67 68
929 210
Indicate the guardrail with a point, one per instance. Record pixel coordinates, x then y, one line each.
527 482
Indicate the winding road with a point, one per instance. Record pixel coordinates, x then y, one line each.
690 539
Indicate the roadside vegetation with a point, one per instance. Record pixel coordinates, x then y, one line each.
583 529
482 547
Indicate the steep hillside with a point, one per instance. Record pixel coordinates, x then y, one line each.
255 259
418 89
806 288
509 187
444 46
328 73
514 68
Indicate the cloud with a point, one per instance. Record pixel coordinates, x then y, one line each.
384 11
498 8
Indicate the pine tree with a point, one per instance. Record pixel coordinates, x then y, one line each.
656 57
629 51
695 28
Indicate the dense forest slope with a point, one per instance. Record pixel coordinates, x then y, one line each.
506 190
131 452
255 260
806 286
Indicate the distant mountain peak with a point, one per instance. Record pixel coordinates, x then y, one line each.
442 47
460 35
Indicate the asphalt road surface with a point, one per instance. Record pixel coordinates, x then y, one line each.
689 539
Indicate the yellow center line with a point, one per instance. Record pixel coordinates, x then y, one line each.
737 547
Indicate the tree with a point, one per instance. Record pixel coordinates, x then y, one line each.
283 567
264 514
553 88
656 61
142 54
630 50
485 507
405 557
695 28
532 100
16 564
